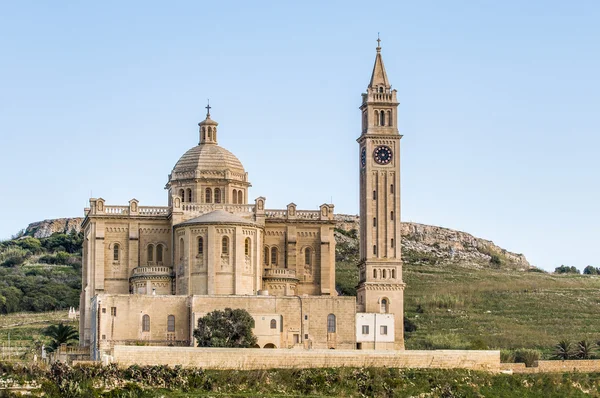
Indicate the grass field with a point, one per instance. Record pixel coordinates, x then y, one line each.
25 330
456 307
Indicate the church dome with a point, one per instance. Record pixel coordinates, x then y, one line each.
210 161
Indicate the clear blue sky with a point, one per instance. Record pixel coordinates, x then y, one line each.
500 108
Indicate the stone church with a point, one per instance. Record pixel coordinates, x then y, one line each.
149 272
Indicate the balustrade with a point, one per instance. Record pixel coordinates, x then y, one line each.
279 273
152 270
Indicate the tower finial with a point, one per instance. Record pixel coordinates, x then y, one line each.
208 109
378 43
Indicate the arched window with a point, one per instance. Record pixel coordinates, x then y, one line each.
182 195
374 221
393 274
374 195
208 195
376 119
217 195
171 323
381 89
225 245
391 188
389 118
204 133
181 249
374 250
247 247
384 274
234 196
382 118
391 216
150 253
384 306
189 195
159 253
146 323
200 245
307 256
392 243
240 197
273 256
375 273
331 323
266 256
273 324
116 252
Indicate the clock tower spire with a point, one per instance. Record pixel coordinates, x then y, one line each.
380 289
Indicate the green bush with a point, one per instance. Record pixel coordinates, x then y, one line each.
409 326
13 256
527 356
589 270
563 269
507 356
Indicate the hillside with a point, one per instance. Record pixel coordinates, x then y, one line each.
465 292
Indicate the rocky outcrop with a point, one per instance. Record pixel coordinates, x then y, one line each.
428 243
43 229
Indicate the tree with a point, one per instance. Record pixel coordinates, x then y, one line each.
60 334
585 350
563 350
589 270
227 328
564 269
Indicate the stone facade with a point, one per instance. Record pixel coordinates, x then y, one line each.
151 271
380 286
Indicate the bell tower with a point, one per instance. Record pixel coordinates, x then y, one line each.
380 288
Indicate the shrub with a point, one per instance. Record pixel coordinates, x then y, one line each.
589 270
30 244
585 350
495 260
409 326
563 269
507 356
527 356
13 256
563 350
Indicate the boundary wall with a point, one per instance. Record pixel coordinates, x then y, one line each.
249 358
572 365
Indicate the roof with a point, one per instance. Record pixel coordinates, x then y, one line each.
219 217
379 77
208 157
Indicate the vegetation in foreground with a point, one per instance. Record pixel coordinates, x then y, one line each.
160 381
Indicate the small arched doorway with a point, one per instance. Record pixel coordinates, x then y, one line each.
269 345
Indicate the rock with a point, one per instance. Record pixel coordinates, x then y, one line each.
445 244
43 229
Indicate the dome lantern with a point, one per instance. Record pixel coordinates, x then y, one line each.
208 129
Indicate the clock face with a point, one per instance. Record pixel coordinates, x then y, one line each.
382 154
363 157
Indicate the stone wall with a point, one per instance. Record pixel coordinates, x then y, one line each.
229 358
583 365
